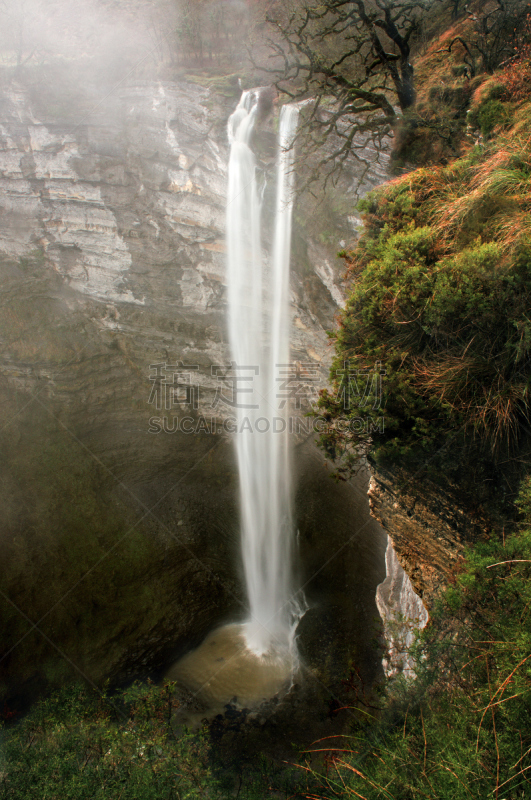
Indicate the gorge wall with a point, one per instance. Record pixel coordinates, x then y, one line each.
120 545
429 524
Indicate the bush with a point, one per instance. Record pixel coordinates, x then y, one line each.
462 729
492 114
442 288
75 745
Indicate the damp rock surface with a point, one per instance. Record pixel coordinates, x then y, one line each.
120 536
427 524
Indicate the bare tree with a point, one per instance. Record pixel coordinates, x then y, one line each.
210 31
350 60
20 24
497 32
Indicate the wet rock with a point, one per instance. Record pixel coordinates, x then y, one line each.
427 524
120 536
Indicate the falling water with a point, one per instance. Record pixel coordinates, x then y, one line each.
259 341
250 662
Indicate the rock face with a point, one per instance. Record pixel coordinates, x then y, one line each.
426 524
402 613
111 262
120 535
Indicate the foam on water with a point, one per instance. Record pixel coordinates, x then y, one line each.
223 670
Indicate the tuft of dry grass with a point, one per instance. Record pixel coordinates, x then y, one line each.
488 402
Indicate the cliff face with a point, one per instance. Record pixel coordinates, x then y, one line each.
427 524
125 216
120 537
402 612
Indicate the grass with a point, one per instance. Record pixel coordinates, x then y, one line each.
441 292
460 731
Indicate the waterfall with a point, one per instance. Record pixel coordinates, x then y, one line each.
259 317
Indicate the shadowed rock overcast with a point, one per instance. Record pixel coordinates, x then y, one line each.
121 539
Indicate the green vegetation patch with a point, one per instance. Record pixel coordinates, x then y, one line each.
462 729
78 745
440 302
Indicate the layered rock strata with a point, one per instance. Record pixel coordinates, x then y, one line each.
427 525
120 535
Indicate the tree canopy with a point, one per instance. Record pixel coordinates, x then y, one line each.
351 60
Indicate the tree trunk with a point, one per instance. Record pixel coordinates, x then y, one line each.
406 93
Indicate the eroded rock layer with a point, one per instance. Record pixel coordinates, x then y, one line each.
119 539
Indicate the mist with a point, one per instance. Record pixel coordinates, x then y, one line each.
105 42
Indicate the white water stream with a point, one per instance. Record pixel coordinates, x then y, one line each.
252 661
259 323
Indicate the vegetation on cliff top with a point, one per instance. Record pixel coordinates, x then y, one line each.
441 297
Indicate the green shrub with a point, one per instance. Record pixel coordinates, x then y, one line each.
440 299
462 729
74 745
492 114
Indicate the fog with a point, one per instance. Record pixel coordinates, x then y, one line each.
86 47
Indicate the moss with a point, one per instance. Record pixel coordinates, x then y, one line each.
490 115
